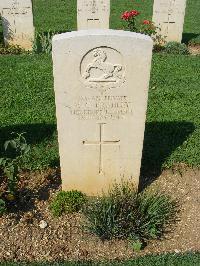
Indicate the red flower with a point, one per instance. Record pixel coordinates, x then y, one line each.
134 13
130 14
125 15
146 22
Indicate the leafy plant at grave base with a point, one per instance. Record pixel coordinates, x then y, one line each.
15 149
11 49
125 214
176 48
43 42
146 27
67 202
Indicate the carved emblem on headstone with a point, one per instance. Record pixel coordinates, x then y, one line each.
102 68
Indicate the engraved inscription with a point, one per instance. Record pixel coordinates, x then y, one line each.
102 68
101 107
93 23
101 143
170 12
92 6
16 9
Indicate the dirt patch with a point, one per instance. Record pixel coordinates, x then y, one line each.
194 49
22 239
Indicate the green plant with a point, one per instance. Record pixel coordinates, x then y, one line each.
176 48
11 49
2 207
145 27
130 19
43 42
15 149
67 202
123 213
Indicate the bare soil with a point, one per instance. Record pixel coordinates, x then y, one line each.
22 239
194 49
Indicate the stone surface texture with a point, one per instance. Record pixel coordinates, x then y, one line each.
101 80
169 15
93 14
17 21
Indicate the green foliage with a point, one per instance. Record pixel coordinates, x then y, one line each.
123 213
176 48
11 49
67 202
154 212
43 42
2 207
15 149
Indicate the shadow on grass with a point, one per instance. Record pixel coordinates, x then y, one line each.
188 36
160 140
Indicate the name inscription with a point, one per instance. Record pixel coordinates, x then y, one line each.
16 11
101 107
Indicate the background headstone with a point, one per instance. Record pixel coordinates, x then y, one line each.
17 20
169 15
101 85
93 14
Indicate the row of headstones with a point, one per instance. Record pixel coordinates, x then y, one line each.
18 28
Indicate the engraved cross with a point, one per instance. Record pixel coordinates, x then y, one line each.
101 143
94 6
169 14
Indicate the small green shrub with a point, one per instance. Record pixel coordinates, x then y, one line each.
11 49
67 202
15 149
176 48
43 42
124 213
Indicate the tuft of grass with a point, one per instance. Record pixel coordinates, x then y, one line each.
11 49
67 202
123 213
43 42
176 48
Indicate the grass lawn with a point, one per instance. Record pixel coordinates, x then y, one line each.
172 132
173 124
162 260
61 15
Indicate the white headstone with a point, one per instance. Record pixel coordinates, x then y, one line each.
169 15
101 80
17 20
93 14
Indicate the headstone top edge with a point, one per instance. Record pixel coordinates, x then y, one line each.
85 33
